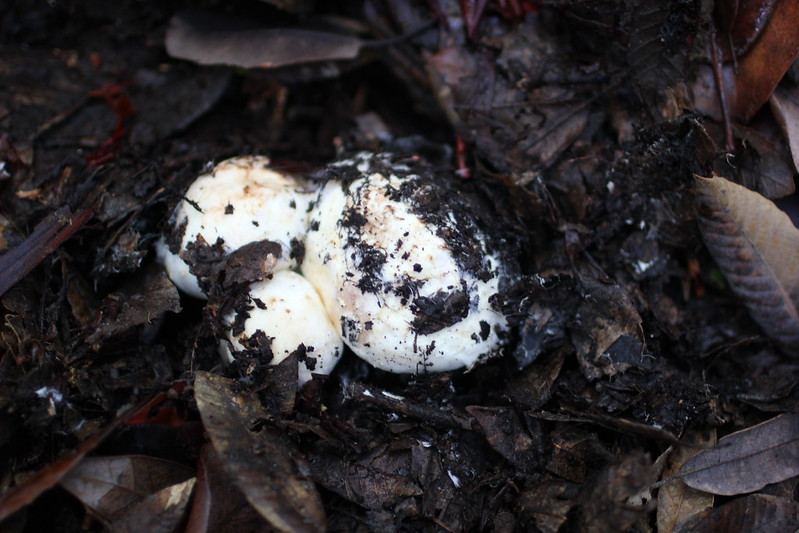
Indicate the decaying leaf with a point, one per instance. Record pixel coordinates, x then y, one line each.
609 339
747 460
257 456
507 436
48 235
217 506
48 477
140 301
757 248
785 106
110 485
765 165
157 513
679 504
617 497
765 63
211 40
758 513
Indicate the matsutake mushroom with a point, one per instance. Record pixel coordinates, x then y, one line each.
400 263
242 200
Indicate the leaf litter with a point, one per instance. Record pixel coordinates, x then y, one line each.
629 338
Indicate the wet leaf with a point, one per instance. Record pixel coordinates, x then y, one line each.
218 506
258 457
757 248
140 301
743 20
765 166
48 235
648 54
211 40
608 341
747 460
160 512
766 62
679 504
507 436
110 485
785 106
617 497
48 477
757 513
547 505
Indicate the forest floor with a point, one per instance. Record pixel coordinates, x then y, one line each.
633 350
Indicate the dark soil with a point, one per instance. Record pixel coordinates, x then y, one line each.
626 337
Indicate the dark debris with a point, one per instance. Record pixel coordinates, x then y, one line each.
625 334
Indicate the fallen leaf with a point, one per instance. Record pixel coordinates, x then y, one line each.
765 165
212 40
609 339
217 506
747 460
140 301
757 513
48 235
679 504
756 246
507 436
764 65
160 512
785 106
109 486
545 506
617 497
257 456
27 491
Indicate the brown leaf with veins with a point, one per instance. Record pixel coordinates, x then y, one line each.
756 246
767 50
110 486
747 460
756 512
258 457
764 65
215 40
679 504
785 106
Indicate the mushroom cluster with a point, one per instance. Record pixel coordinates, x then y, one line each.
385 255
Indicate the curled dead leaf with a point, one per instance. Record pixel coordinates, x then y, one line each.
747 460
110 486
212 40
259 459
756 246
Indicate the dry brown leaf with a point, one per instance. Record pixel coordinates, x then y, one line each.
259 459
757 513
785 106
757 248
110 485
678 504
747 460
160 512
217 506
46 478
609 341
764 65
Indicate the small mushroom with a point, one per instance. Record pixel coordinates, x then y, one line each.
242 200
284 316
403 268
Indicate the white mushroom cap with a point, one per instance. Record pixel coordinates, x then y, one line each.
240 201
286 317
409 294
